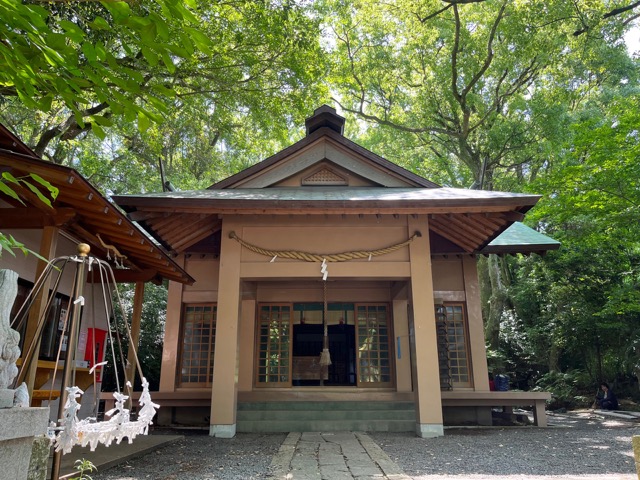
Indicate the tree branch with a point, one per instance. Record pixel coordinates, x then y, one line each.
381 121
66 128
609 14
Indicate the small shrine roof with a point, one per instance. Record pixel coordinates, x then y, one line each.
519 238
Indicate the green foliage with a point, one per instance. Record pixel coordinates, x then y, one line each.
83 467
190 83
569 390
477 89
154 311
7 242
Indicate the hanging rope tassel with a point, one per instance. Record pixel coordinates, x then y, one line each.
325 356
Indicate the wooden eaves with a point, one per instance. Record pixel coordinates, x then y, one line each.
82 212
469 218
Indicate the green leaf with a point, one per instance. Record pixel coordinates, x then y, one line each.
53 190
143 122
10 178
9 191
99 132
150 55
119 10
161 26
166 58
74 32
45 103
100 23
38 193
102 121
186 43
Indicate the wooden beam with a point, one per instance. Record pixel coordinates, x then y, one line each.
145 216
126 276
487 225
458 241
322 210
509 216
29 217
136 319
48 246
455 232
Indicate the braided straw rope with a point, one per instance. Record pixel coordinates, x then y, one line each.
317 257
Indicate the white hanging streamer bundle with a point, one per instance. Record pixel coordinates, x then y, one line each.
70 430
88 431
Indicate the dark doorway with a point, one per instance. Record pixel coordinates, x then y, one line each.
308 336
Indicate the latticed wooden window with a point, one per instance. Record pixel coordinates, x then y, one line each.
373 330
274 346
198 345
456 332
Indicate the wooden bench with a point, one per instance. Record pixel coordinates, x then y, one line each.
39 396
181 398
536 400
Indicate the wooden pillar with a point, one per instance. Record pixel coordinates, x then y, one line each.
247 342
402 347
171 342
427 379
224 391
48 245
136 318
477 346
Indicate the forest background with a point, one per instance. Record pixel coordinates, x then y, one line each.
537 96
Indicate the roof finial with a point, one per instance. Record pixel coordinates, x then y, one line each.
325 116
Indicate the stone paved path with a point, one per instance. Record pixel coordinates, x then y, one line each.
333 456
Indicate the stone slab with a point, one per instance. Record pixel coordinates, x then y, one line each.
18 428
429 430
6 398
23 422
222 431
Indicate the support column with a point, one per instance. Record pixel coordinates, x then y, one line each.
247 342
136 318
171 342
427 380
224 392
403 348
475 326
48 245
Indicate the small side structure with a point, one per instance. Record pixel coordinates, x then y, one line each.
80 214
396 301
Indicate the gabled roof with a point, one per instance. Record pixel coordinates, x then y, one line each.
337 200
324 126
356 182
83 212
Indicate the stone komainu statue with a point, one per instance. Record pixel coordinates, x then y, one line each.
9 338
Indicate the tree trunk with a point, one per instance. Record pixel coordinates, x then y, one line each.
554 358
497 301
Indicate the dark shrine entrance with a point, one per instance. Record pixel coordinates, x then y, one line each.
308 333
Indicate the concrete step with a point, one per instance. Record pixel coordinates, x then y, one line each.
301 416
312 405
324 414
272 426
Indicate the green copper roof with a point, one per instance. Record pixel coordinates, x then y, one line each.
520 238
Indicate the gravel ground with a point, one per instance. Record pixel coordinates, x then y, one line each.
200 457
577 446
